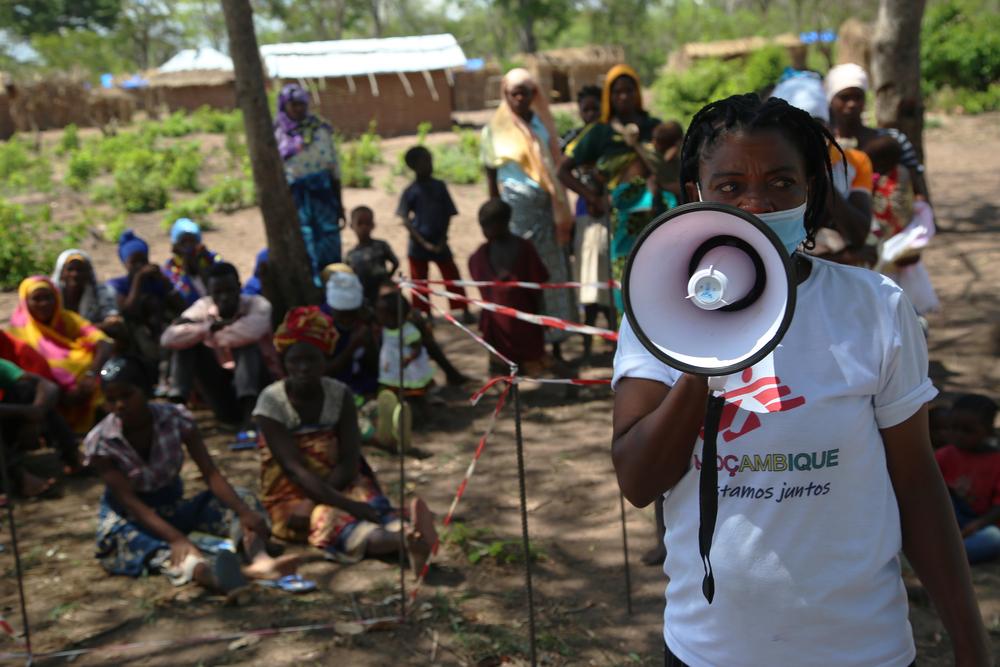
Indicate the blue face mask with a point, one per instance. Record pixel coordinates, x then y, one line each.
789 225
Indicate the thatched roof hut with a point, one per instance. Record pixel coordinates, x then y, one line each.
729 49
195 78
563 72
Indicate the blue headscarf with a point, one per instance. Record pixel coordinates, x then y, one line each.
129 244
184 226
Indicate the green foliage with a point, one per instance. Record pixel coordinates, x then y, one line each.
478 544
30 242
459 162
81 169
185 164
357 157
964 100
213 121
113 228
195 208
565 121
230 194
69 141
39 17
139 182
21 169
682 94
960 45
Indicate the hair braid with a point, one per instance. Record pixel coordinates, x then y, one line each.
747 112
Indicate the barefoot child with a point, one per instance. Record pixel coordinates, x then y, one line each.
971 469
507 257
372 260
144 521
317 486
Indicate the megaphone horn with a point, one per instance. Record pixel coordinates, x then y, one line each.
709 289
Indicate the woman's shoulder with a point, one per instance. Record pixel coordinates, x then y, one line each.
854 284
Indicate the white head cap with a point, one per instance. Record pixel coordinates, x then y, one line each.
805 92
344 292
845 76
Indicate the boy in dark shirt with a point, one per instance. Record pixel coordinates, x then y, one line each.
372 260
426 209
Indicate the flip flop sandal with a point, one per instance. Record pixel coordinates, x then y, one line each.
226 572
244 440
292 583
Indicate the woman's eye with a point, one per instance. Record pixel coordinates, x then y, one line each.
727 188
782 183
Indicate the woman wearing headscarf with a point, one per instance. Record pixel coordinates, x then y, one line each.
519 149
81 293
316 485
846 88
305 142
191 260
74 348
619 146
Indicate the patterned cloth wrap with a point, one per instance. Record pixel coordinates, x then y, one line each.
68 343
307 324
294 516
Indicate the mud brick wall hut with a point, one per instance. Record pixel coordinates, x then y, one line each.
398 82
194 78
563 72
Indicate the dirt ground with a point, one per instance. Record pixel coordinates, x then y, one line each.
474 613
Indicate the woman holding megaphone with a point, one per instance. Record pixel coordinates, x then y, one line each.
825 469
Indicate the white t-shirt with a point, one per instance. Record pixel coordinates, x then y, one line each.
418 373
806 545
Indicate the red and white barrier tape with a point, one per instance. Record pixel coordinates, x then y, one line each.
451 318
465 480
610 284
192 641
541 320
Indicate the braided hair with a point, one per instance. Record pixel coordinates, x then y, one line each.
748 113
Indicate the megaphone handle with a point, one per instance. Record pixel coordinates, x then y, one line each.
708 500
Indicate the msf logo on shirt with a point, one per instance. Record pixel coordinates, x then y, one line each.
765 394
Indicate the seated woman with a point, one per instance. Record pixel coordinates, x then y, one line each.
74 348
82 294
316 485
188 268
144 522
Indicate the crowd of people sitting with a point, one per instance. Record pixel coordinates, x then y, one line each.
116 364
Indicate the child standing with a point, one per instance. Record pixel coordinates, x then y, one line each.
506 257
372 260
971 469
393 420
426 209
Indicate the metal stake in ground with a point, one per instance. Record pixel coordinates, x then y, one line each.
621 498
17 554
401 444
524 516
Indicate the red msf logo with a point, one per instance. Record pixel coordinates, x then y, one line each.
765 394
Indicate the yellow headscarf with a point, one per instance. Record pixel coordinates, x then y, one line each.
68 343
614 74
508 138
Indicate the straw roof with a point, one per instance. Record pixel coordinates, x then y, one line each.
193 67
577 55
731 48
190 78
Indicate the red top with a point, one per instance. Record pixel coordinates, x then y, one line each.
28 358
519 341
972 476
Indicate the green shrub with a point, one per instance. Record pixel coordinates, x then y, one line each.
21 169
196 208
960 45
682 94
114 227
964 100
27 246
139 181
69 141
353 170
230 194
235 145
565 121
184 166
81 169
212 121
177 124
459 162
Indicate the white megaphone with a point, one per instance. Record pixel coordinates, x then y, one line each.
709 289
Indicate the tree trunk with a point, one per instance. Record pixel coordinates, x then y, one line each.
896 68
526 31
290 269
376 12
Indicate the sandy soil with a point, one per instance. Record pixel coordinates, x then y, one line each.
474 614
